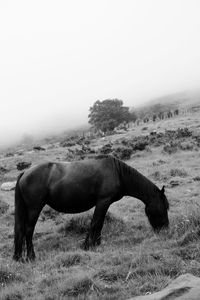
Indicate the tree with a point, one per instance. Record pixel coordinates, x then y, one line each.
108 114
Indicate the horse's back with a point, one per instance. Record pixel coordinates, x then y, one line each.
67 183
85 175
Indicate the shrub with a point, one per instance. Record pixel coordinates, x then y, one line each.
137 144
122 153
178 172
106 149
183 132
23 165
3 170
170 148
158 176
3 207
186 146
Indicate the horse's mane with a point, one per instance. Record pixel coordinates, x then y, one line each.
142 185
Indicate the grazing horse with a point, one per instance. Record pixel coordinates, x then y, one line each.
74 187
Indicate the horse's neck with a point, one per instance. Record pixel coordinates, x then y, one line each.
138 186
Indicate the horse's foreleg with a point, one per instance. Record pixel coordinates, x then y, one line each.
94 236
30 226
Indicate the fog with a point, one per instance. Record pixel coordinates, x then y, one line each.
58 57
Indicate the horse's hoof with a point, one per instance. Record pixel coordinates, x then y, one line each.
85 246
18 258
30 258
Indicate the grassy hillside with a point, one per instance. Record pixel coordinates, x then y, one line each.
184 101
132 259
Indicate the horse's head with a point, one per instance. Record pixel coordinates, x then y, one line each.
157 210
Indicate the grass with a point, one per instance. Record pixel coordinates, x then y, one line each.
68 259
132 260
13 292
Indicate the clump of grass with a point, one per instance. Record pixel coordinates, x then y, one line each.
148 284
193 267
108 275
112 274
51 242
189 237
76 285
113 227
189 222
78 224
107 291
149 264
13 292
49 280
68 259
48 213
188 252
116 258
116 265
7 276
113 219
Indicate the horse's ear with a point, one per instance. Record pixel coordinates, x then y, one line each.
163 189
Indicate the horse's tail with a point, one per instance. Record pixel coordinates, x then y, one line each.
20 221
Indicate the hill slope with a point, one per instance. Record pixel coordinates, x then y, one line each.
132 259
182 101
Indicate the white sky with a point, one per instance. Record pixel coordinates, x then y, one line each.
58 57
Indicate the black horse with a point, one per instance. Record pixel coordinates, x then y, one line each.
74 187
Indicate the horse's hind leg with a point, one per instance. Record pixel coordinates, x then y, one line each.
94 236
19 242
30 226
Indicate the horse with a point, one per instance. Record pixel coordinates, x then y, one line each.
77 186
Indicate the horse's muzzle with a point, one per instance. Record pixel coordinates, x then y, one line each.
164 226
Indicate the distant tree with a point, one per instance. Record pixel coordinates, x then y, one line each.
107 114
132 116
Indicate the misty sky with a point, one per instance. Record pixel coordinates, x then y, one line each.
58 57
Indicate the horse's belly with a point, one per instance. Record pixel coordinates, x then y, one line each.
70 208
72 201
